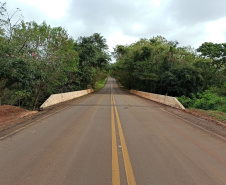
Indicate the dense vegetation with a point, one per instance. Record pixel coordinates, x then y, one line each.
160 66
37 60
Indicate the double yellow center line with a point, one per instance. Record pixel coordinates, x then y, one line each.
115 164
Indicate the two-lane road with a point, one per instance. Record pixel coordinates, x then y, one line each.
114 138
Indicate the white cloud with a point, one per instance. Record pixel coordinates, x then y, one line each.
54 9
156 3
123 22
216 31
117 38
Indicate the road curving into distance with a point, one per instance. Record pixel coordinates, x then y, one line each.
113 138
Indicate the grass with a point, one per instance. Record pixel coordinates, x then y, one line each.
221 116
100 84
216 115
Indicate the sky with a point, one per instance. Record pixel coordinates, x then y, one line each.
190 22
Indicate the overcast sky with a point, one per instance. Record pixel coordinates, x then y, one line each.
190 22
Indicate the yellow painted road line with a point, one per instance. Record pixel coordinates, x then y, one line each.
115 163
128 166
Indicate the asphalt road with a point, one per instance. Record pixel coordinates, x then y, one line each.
115 138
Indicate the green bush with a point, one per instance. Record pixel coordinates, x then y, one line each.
208 100
186 101
100 84
223 107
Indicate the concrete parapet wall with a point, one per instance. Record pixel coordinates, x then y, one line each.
59 98
167 100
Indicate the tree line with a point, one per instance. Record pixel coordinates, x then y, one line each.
156 65
37 60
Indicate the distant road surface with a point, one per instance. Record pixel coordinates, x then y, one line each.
113 138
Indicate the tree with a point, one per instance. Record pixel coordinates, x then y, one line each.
159 66
181 80
35 60
216 52
93 57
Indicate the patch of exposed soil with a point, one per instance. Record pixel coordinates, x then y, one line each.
13 118
205 115
9 114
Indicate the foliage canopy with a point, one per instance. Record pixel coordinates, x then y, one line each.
37 60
